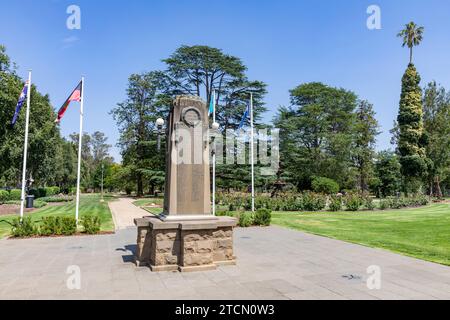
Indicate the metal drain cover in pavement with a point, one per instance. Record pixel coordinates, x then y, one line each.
351 277
246 238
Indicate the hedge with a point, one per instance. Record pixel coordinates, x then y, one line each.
4 196
313 202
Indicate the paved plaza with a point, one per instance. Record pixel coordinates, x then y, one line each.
273 263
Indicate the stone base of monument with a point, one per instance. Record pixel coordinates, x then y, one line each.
185 245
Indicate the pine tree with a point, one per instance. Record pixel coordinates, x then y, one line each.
365 131
411 139
411 143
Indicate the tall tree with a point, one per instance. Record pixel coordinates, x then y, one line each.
387 168
436 107
411 138
365 130
199 70
316 134
100 148
87 160
5 62
412 36
44 136
136 116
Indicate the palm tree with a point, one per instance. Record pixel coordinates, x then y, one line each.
412 36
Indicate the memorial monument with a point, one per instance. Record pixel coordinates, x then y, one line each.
187 236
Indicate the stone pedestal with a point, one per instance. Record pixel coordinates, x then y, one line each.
185 245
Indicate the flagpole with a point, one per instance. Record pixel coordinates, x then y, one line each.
214 156
252 156
80 142
25 148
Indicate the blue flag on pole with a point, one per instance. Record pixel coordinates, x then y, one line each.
22 98
211 106
244 118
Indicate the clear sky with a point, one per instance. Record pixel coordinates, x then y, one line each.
283 43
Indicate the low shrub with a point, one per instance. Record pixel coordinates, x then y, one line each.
15 195
353 202
56 199
50 191
50 226
369 204
225 214
404 202
385 204
58 226
37 204
423 200
23 229
245 220
247 203
291 202
263 202
73 191
91 224
14 202
325 185
262 217
4 196
68 226
313 202
310 201
335 204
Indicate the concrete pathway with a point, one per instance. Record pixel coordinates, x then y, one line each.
124 212
273 263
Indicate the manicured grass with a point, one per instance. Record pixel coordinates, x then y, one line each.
148 202
423 233
155 211
89 205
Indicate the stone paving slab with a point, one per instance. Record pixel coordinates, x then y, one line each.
273 263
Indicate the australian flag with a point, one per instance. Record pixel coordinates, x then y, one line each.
22 98
244 118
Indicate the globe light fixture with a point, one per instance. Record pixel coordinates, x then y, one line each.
160 122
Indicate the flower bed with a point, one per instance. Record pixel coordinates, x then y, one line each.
313 202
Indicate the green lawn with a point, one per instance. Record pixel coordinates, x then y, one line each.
422 233
154 211
89 204
148 201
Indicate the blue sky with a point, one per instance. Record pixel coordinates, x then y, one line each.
283 43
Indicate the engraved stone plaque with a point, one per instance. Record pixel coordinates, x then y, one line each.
187 192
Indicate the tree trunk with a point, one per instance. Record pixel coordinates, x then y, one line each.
152 189
140 186
410 55
437 187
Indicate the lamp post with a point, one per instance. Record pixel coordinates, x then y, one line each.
103 168
215 127
159 124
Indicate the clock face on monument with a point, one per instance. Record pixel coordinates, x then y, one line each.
191 117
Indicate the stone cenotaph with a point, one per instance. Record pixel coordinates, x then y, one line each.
186 236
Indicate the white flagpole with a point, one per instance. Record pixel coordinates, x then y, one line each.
214 156
252 156
25 148
80 142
